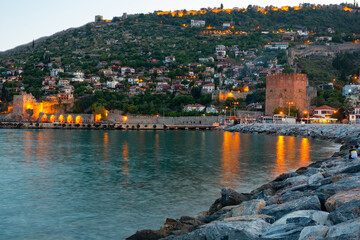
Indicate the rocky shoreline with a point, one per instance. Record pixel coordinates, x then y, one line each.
320 201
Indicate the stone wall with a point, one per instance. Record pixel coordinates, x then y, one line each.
284 88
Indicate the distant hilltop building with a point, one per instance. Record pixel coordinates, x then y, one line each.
197 23
99 18
277 45
288 89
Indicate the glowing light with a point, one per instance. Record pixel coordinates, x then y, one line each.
78 120
61 119
69 119
125 118
347 9
281 113
44 119
98 118
52 119
246 89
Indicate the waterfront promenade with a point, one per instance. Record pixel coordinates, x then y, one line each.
320 201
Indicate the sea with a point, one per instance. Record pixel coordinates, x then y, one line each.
98 184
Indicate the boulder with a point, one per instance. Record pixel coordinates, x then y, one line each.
266 218
315 179
287 196
228 197
304 216
353 169
146 234
251 207
344 184
351 228
339 199
313 232
283 231
284 176
304 203
183 225
245 228
346 212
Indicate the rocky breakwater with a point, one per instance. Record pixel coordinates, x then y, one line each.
320 201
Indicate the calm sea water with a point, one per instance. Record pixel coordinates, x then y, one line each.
63 184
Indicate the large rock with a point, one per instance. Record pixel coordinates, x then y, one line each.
351 227
346 212
283 231
344 184
339 199
305 203
312 232
236 228
181 226
228 197
305 216
146 234
353 169
251 207
287 196
316 178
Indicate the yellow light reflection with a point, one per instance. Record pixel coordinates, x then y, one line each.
305 152
280 156
230 161
69 119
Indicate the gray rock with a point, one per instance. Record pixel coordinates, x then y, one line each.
342 185
287 231
318 217
251 207
353 169
228 197
351 227
313 232
242 229
339 199
316 178
305 203
146 234
346 212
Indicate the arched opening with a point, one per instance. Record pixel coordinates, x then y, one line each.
78 120
44 119
69 119
61 119
98 118
52 119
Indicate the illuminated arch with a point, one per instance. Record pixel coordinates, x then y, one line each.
69 119
97 118
61 119
78 120
44 119
52 119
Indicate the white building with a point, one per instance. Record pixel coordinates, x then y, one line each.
194 107
324 111
208 88
197 23
212 109
355 117
277 45
111 84
54 72
350 89
78 76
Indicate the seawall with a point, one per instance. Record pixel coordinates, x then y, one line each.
320 201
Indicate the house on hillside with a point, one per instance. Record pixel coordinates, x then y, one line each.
208 88
197 23
324 111
194 107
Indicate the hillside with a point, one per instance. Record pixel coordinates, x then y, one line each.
224 47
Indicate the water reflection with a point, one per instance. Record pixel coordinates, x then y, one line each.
305 152
280 155
106 147
230 159
125 163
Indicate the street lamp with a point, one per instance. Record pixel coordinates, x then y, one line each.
290 103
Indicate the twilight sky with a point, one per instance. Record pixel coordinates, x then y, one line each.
21 21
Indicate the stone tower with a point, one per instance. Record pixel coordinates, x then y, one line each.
285 88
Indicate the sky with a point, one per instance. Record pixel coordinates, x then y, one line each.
22 21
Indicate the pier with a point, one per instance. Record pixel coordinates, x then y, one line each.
103 126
